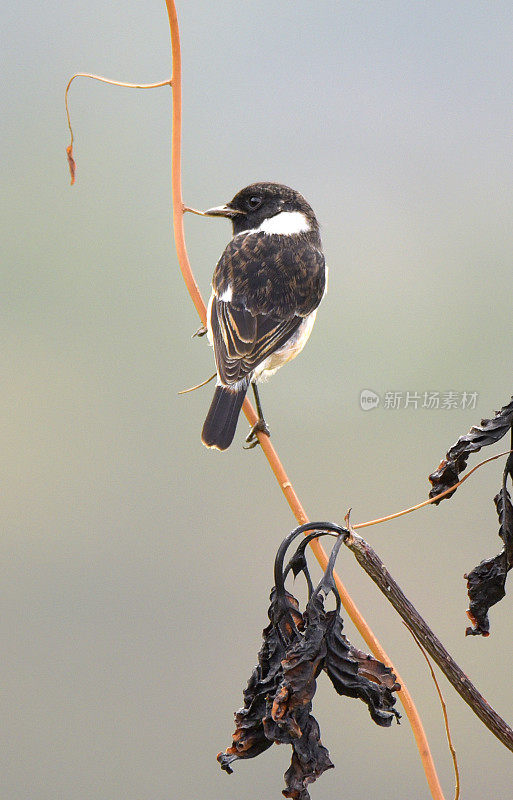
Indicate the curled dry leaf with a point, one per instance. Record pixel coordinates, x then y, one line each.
455 461
372 669
301 666
356 674
71 163
309 760
486 582
250 739
297 647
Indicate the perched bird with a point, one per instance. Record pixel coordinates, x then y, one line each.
265 292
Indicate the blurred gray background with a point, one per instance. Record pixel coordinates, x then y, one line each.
135 564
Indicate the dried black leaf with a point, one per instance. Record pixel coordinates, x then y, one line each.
455 461
302 664
355 674
309 760
297 647
250 739
374 670
504 509
486 583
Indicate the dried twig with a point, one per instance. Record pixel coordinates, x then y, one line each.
444 712
431 500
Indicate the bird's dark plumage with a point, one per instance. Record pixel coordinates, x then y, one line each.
221 421
265 290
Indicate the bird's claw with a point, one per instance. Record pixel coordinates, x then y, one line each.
252 438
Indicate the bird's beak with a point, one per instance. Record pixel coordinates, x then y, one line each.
223 211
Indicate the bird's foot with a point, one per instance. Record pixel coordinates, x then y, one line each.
202 330
252 438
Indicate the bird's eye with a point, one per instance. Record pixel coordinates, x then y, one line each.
253 203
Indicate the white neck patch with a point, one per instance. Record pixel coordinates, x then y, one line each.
285 224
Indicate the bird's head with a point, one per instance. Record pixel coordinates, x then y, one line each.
270 207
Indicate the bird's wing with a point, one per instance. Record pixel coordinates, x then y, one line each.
242 341
262 290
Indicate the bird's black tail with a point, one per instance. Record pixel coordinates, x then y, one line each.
219 428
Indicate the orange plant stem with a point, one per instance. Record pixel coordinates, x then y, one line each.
176 166
268 449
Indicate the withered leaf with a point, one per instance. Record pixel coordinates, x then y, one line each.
486 582
71 163
504 510
354 674
309 760
250 738
296 648
455 461
301 666
485 585
374 670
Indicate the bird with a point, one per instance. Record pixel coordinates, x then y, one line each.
266 288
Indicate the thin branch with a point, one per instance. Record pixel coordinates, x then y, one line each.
435 499
374 567
444 712
265 442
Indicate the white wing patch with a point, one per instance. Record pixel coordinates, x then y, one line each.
227 295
